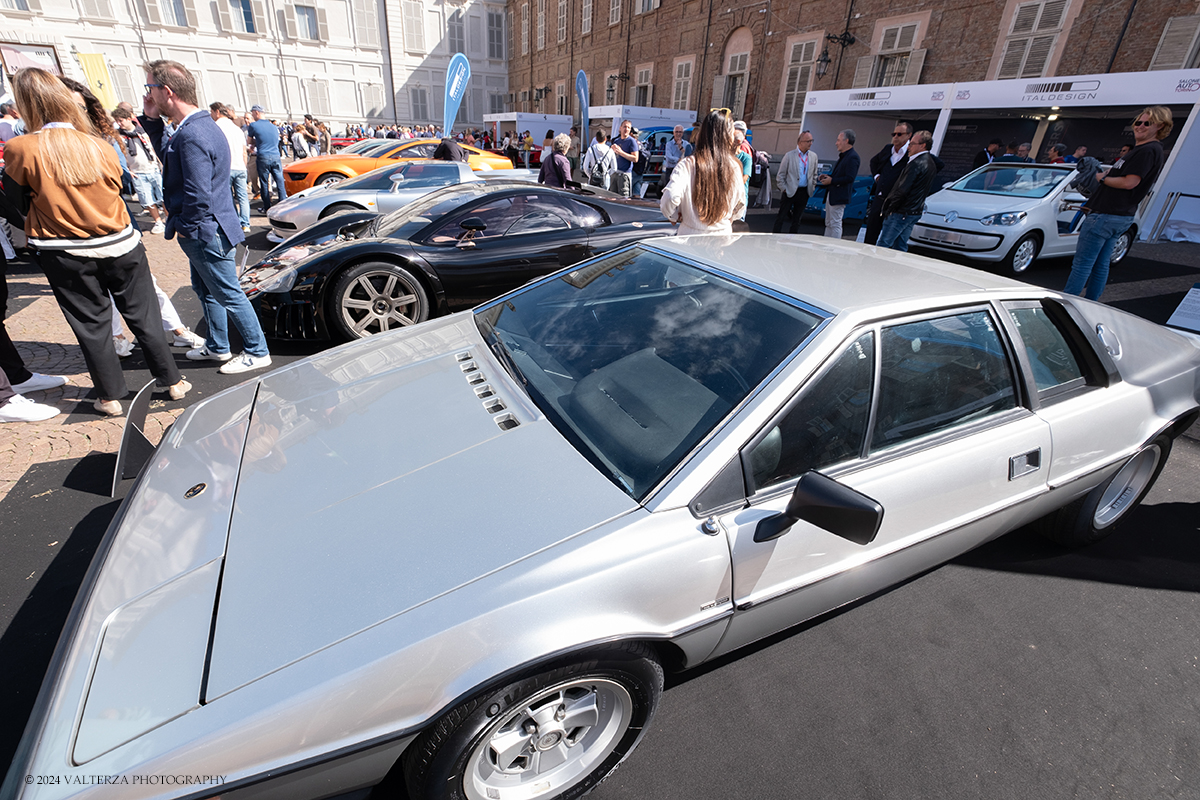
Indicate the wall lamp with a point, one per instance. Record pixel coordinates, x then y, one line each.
845 39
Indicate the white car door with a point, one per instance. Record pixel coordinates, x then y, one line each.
919 415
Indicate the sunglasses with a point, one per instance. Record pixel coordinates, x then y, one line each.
901 133
1139 123
724 111
150 86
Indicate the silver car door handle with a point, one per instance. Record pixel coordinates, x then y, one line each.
1024 464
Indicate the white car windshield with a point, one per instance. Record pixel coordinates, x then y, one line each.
637 356
1013 180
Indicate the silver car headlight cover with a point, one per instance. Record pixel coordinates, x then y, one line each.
1004 218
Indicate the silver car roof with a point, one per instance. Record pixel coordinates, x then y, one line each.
832 275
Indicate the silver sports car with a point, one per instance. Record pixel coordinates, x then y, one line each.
384 190
1011 213
465 551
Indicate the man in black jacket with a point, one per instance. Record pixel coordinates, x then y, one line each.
905 202
886 166
839 184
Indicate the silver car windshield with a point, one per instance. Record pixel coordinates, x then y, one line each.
637 356
404 223
1013 181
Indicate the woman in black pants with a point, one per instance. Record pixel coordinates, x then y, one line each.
67 181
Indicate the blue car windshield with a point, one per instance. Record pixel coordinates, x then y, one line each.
1013 180
637 356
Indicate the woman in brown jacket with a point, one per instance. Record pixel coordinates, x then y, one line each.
67 181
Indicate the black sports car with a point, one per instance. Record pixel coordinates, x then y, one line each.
359 273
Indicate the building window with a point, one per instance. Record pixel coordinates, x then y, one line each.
683 85
1031 39
643 90
1179 45
729 91
173 13
795 84
524 29
366 23
495 21
318 97
896 62
243 15
15 5
306 23
560 97
255 89
495 103
420 104
508 15
414 28
455 32
644 6
372 100
96 9
586 17
614 12
541 24
562 20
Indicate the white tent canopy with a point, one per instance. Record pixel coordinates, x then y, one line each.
536 124
1037 105
610 117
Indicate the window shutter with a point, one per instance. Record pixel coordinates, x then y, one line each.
1176 47
912 73
862 72
1025 18
1052 14
34 6
908 34
366 25
322 24
889 39
189 12
153 13
1040 48
224 17
290 26
718 92
260 17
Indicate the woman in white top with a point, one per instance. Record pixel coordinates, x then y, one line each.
705 193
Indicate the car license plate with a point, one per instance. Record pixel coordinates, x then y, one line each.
944 236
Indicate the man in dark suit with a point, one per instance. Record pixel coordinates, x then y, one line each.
886 166
200 211
988 154
839 183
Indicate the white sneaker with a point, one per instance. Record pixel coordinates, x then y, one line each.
123 346
202 353
159 227
39 382
22 409
244 363
187 339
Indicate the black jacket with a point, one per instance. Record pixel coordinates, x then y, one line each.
450 150
841 185
916 182
881 165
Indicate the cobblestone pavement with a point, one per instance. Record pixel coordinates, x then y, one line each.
46 343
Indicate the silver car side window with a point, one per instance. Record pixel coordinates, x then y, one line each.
939 373
1051 359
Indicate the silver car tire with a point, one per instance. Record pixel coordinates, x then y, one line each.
1023 253
1098 513
553 734
377 297
329 179
1121 248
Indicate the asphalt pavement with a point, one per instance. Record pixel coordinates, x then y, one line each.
1019 670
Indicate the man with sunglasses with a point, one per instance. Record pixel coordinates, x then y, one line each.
1111 208
886 166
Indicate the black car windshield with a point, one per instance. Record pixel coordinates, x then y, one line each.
413 175
1013 180
635 357
404 223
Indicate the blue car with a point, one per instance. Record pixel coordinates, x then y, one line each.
860 200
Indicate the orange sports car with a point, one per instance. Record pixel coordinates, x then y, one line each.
337 167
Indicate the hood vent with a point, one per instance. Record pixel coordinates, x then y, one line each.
483 390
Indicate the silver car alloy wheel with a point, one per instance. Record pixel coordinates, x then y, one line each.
551 742
1126 487
378 301
1023 257
1121 248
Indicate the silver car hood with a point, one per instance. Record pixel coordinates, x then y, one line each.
419 490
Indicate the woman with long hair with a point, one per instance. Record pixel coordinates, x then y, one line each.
67 181
705 193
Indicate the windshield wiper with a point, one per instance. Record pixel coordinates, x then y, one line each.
501 352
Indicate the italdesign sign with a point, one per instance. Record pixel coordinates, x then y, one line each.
1061 90
866 99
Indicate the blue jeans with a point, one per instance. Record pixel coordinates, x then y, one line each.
148 187
241 197
266 171
214 279
1097 237
896 230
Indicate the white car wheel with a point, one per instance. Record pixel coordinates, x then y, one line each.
1021 257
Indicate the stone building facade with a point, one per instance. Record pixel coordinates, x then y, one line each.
761 57
341 60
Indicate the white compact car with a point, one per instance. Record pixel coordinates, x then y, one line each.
1012 213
